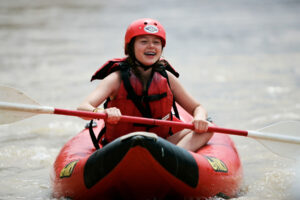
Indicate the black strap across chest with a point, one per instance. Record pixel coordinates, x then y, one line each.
140 101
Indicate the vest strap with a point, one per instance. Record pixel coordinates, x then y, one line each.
92 134
165 74
149 98
132 95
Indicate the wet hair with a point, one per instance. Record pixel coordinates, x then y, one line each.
131 59
130 52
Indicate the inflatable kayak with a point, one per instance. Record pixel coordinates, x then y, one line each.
144 166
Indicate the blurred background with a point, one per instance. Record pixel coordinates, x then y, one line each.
239 58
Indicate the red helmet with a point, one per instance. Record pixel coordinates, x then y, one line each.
144 26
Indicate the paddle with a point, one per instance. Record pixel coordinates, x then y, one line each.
281 138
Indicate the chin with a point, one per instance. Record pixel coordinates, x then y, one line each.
147 63
150 62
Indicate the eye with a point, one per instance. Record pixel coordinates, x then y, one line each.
157 42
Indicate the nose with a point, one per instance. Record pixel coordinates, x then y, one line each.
151 44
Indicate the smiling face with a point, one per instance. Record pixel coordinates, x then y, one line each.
147 49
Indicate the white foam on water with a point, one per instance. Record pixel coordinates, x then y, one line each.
294 191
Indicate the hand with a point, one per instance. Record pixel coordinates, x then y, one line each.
200 125
113 115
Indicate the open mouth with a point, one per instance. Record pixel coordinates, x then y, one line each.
150 53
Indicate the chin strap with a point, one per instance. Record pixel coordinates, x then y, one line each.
145 67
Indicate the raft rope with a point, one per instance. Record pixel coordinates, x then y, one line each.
95 140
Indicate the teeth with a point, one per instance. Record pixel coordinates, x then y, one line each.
150 53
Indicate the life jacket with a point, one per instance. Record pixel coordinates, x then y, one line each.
156 102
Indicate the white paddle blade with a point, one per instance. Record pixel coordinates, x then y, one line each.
282 138
8 94
12 95
11 116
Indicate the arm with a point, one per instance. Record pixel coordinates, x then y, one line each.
108 87
189 103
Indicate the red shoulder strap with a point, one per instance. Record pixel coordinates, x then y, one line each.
114 65
108 68
169 68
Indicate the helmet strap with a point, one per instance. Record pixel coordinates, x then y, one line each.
145 67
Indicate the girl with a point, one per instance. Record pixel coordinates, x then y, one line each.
143 84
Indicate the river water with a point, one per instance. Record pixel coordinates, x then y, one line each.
238 57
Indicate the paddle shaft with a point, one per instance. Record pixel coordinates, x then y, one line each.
148 121
286 144
38 109
157 122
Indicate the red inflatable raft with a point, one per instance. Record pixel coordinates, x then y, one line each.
143 166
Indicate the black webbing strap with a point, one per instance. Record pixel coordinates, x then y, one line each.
165 74
138 100
175 109
92 134
149 98
102 132
132 95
